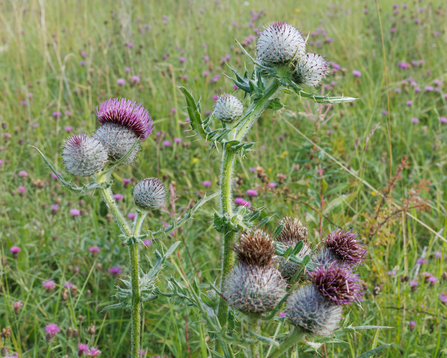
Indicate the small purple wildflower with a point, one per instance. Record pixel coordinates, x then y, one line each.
147 242
94 249
23 173
206 183
74 212
443 297
68 129
21 190
52 328
252 192
166 143
56 114
49 285
118 196
182 59
82 349
273 185
15 249
93 352
131 216
438 254
356 73
421 261
120 81
412 325
68 285
177 140
281 314
414 120
409 103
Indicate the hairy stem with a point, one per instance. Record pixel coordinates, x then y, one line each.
253 325
107 196
226 205
293 338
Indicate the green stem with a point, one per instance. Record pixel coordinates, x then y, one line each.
226 205
256 110
293 338
107 196
253 325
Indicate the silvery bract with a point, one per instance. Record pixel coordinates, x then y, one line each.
84 155
310 70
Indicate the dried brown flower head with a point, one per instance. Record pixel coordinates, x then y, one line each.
293 231
255 248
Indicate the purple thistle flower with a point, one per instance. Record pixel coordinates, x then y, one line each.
252 192
345 247
82 349
24 103
338 284
413 284
272 185
147 242
127 181
206 183
126 113
136 79
74 212
443 297
120 81
93 352
118 196
49 285
56 114
409 103
421 261
68 285
356 73
310 70
23 173
414 120
429 88
52 328
131 216
115 271
438 254
166 143
54 207
412 325
21 190
15 249
182 59
68 128
177 140
94 249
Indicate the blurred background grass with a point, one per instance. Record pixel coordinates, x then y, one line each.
60 59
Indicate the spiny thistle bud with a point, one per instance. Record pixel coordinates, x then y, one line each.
149 194
228 108
250 288
123 123
345 247
4 351
310 70
280 43
307 309
84 155
338 284
255 248
292 232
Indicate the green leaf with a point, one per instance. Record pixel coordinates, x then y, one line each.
373 351
264 339
265 220
112 307
324 186
278 231
275 104
194 114
172 249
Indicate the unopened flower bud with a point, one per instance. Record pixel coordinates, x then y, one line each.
75 333
91 330
149 194
4 351
228 108
310 70
69 332
280 43
84 155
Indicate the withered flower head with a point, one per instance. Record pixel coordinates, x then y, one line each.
293 231
255 248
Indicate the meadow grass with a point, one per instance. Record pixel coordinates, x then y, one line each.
65 57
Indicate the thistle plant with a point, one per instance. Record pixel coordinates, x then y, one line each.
263 273
123 126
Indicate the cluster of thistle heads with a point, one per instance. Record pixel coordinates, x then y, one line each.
281 52
123 125
260 280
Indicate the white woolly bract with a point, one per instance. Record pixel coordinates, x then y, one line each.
250 288
307 309
280 43
310 70
149 194
288 268
118 140
84 155
228 108
324 258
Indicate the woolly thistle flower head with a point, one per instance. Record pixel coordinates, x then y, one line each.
255 248
345 247
250 288
308 310
338 284
149 194
84 155
123 123
310 70
279 44
228 108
